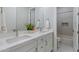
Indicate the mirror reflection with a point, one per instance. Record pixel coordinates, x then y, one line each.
7 21
15 21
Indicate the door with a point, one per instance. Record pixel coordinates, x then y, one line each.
75 29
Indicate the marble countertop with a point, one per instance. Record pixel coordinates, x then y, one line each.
5 45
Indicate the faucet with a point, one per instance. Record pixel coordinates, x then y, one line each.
16 30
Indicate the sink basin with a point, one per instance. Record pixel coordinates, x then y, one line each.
12 40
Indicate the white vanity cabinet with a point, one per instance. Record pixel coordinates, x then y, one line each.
48 42
45 43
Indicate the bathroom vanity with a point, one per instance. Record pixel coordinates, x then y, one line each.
30 42
14 35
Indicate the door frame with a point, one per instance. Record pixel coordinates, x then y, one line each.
75 29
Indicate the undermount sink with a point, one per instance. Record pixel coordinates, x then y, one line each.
12 40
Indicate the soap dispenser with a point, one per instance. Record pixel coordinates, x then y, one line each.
47 24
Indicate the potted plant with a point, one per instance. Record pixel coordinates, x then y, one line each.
29 27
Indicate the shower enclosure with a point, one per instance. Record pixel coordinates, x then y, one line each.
65 21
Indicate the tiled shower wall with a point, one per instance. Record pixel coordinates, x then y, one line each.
65 15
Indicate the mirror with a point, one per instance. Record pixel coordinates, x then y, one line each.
14 19
32 15
22 17
25 16
7 21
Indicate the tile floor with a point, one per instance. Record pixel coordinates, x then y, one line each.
66 44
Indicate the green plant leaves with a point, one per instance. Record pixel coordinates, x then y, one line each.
29 26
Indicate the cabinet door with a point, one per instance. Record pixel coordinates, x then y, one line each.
41 45
48 42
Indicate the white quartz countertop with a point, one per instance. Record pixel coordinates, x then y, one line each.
5 45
